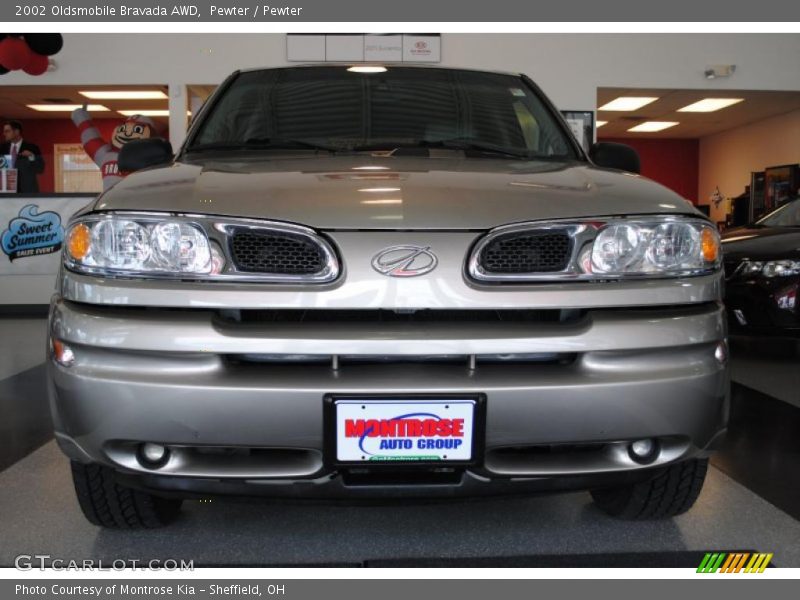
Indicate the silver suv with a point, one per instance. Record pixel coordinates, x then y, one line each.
385 282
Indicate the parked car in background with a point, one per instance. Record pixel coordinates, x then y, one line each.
762 272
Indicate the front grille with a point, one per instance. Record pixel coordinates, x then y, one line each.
427 315
527 252
266 251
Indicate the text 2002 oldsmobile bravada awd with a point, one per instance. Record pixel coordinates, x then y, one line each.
390 282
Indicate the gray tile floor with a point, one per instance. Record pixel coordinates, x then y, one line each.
22 344
39 514
776 377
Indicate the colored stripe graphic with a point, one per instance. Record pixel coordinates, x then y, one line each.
722 562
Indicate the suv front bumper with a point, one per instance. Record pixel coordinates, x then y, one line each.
150 375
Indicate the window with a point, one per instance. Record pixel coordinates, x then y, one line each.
75 171
405 106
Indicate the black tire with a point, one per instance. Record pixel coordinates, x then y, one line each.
107 504
671 492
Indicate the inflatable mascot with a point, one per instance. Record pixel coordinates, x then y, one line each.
104 153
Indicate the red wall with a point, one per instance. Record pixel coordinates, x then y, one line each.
46 132
674 163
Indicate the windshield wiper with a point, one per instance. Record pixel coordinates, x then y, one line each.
263 144
467 144
463 144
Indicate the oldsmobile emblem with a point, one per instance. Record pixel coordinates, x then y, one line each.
405 261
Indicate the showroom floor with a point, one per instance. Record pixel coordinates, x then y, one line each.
751 501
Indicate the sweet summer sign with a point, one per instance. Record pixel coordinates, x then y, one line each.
32 233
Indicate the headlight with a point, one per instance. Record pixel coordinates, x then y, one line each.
120 245
673 247
769 268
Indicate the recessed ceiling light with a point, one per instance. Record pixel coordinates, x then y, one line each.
124 94
370 168
367 69
383 201
650 126
149 113
628 103
65 107
145 113
710 104
601 123
380 190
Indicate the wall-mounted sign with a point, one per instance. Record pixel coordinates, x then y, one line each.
383 48
331 47
581 123
32 233
422 48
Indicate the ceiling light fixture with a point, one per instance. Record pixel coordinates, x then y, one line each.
601 123
383 201
367 69
124 94
149 113
652 126
380 190
707 105
66 107
625 103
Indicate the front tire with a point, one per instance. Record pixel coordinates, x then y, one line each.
671 492
108 504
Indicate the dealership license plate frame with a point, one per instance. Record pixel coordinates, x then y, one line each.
329 427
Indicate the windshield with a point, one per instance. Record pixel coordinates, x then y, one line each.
787 215
333 109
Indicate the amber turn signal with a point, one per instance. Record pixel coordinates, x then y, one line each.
79 239
62 353
710 245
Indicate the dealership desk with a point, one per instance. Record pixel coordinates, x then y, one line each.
31 236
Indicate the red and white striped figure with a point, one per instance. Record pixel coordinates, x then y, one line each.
105 154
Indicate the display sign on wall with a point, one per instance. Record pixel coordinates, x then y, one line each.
31 236
363 48
581 124
32 233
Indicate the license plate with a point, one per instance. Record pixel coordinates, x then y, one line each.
439 430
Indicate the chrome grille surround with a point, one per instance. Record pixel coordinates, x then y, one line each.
578 234
330 266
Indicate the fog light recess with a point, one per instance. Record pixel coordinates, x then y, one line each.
643 451
152 455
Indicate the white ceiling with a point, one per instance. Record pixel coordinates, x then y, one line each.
15 98
757 105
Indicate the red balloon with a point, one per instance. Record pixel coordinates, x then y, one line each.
37 64
14 53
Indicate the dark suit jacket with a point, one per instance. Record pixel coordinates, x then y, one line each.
27 169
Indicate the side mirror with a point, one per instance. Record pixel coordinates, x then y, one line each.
139 154
615 156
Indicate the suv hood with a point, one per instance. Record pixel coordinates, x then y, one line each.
369 192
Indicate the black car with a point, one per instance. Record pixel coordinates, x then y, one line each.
762 272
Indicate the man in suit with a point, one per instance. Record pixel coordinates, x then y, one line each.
26 157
